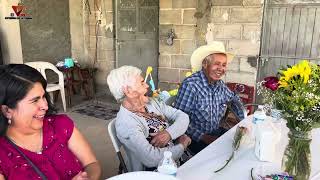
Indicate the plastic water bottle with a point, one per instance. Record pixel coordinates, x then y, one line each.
167 165
259 115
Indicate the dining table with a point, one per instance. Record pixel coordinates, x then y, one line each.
143 175
203 165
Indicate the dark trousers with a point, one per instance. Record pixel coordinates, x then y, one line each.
196 147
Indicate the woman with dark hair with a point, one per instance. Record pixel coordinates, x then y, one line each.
34 141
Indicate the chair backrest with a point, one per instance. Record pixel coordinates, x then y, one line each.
231 117
41 66
113 136
245 92
117 145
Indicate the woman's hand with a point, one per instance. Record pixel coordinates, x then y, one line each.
81 176
160 139
184 140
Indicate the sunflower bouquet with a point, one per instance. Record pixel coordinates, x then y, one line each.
296 92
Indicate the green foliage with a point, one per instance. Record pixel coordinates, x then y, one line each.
297 95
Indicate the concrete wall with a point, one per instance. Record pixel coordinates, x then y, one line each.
46 37
83 25
10 34
235 22
195 22
238 24
78 31
176 15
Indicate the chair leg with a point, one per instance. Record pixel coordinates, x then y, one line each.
55 96
69 94
120 170
51 97
63 98
122 163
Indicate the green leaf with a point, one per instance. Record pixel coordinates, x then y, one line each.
316 125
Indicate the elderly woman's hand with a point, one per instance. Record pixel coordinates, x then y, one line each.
160 139
184 140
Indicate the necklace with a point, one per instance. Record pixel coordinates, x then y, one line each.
24 147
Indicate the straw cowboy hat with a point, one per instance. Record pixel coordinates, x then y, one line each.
203 51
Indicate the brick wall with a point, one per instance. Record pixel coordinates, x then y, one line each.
238 24
174 60
105 50
235 22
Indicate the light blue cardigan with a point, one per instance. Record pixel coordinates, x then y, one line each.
132 131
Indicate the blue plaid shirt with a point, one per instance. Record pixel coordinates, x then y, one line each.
204 103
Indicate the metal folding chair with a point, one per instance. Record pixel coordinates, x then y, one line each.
246 94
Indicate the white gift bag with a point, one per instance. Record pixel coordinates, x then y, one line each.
267 138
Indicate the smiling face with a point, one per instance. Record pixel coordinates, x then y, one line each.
215 66
29 113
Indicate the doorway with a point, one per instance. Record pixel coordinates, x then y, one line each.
137 37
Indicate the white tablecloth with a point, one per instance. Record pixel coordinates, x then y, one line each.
143 175
203 165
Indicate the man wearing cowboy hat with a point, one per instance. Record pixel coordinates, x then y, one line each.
203 95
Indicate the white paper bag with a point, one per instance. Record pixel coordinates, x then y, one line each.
267 138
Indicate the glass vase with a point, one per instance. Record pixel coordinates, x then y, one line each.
297 158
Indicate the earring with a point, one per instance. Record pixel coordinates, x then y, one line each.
9 121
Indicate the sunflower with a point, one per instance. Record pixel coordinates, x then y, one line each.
301 70
304 70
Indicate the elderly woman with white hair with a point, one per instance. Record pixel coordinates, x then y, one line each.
145 126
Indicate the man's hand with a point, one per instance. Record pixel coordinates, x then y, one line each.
81 176
160 139
208 139
184 140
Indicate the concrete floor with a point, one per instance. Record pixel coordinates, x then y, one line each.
95 130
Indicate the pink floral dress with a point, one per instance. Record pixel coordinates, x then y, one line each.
56 160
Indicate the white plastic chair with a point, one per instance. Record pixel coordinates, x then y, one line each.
117 145
41 66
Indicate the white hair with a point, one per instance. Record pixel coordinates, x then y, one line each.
120 78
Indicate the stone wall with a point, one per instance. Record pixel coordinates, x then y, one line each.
235 22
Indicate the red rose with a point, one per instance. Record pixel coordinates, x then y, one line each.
271 82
